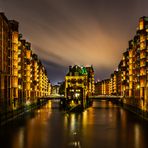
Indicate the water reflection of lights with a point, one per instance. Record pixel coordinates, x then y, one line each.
73 122
21 138
110 115
48 104
137 135
85 117
88 117
44 113
75 144
18 140
71 119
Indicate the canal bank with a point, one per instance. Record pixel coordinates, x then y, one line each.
141 113
133 108
8 116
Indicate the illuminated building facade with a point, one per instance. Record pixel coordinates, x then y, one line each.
24 67
21 70
115 83
119 79
102 87
111 85
79 84
135 63
55 89
91 81
43 84
23 78
4 61
125 76
131 78
35 77
14 37
48 88
105 87
8 62
98 88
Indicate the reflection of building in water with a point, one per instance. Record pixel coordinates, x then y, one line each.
79 84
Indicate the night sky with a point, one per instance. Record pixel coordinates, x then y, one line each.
84 32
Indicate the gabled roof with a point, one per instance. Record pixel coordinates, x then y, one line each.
80 70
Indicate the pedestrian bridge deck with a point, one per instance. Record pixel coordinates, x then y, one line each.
98 97
106 97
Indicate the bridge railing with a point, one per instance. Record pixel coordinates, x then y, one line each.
106 96
52 97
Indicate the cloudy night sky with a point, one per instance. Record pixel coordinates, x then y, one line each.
84 32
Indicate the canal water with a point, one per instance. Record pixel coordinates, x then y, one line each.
104 125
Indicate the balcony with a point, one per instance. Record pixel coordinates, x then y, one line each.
142 65
143 56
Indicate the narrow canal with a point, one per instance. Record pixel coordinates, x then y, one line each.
103 125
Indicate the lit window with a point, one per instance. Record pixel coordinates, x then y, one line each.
19 67
141 25
19 52
19 75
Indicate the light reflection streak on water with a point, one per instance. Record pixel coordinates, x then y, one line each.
84 119
137 134
19 138
74 120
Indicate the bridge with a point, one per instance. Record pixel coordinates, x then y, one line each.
95 97
52 97
112 98
61 101
106 97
